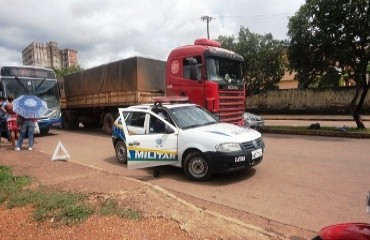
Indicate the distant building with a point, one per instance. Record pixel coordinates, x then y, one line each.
288 81
49 55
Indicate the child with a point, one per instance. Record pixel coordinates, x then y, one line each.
13 127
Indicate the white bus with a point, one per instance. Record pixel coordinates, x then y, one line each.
39 81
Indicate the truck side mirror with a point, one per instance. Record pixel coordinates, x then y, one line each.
194 73
192 61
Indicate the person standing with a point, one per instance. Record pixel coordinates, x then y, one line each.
27 127
3 117
12 124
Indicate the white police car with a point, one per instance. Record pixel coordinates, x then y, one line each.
186 136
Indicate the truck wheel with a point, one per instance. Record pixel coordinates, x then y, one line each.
121 152
91 124
67 122
108 123
196 167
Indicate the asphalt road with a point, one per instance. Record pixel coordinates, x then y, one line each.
303 181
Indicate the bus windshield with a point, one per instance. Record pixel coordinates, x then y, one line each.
45 89
224 71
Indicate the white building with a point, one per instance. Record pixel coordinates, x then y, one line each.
49 55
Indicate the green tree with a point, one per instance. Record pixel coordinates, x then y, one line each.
324 33
263 59
62 72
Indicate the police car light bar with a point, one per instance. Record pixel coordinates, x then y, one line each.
171 100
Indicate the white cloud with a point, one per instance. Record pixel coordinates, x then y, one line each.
113 29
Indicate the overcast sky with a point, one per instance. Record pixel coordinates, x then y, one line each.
105 31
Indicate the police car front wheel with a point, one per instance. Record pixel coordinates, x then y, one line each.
196 167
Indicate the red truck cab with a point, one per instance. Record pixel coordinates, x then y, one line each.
210 76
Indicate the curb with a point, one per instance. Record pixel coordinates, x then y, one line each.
334 118
316 133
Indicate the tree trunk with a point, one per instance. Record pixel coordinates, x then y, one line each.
363 86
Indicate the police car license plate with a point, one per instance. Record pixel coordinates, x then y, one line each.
256 153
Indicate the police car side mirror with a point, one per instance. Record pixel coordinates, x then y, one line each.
168 129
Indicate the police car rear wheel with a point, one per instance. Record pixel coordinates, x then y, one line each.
121 152
196 167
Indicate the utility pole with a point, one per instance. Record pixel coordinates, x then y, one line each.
208 19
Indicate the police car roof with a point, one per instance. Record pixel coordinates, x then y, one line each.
166 105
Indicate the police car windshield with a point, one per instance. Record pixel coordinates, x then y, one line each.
192 116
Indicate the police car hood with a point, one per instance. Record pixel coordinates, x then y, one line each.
227 130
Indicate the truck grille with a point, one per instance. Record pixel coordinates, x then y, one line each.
231 106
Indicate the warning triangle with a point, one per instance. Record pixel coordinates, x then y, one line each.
60 153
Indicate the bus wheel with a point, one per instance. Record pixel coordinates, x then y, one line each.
44 131
108 123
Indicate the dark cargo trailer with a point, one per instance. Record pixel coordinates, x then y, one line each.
92 97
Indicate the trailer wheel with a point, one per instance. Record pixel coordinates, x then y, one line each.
196 167
108 123
121 152
67 122
91 124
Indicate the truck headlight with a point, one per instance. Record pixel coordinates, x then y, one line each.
228 147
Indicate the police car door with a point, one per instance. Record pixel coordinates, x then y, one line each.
156 146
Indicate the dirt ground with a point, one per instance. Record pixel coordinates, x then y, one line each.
17 223
158 222
165 215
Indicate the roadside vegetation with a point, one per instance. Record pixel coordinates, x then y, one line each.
58 207
321 130
328 46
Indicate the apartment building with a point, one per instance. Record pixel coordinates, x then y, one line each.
49 55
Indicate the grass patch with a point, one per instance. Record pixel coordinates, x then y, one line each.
73 214
10 184
330 131
61 207
58 206
322 128
110 207
128 214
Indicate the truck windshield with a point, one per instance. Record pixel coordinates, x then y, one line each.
191 116
224 71
47 90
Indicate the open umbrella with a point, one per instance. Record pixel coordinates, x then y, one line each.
30 106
